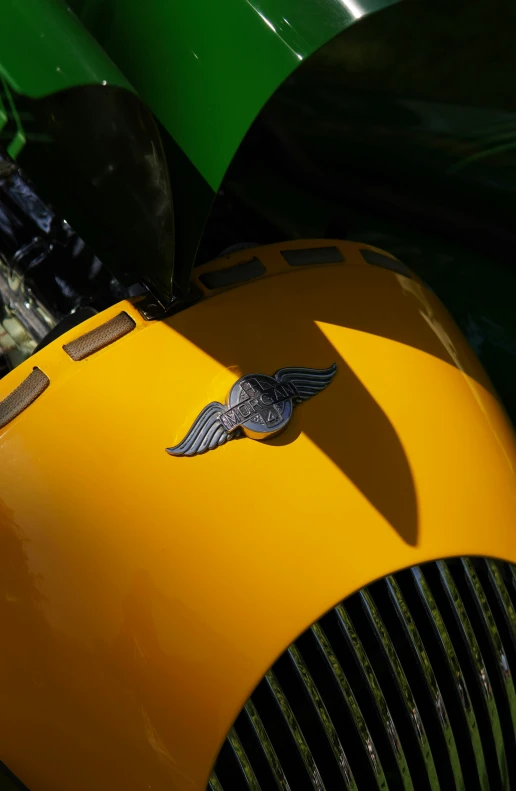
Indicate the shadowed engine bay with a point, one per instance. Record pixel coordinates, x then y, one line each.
49 279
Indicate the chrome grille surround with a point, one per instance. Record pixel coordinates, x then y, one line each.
408 684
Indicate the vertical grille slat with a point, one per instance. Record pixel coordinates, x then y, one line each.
426 670
494 639
407 685
243 761
352 706
503 597
296 732
214 784
266 746
376 693
512 572
477 661
404 689
455 672
323 717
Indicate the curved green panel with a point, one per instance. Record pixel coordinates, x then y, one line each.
44 48
207 67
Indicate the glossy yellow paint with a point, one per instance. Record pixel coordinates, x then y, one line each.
142 595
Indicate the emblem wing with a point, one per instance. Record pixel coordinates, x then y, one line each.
207 432
308 381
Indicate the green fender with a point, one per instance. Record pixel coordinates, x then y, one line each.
205 68
44 48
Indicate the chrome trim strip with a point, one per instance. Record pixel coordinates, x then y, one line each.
495 641
296 733
214 783
455 671
266 745
323 716
411 708
425 667
368 674
478 664
353 708
243 760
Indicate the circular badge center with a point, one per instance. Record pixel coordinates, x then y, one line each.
264 405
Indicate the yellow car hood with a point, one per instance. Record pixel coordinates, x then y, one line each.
145 595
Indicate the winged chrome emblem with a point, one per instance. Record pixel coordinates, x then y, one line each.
259 407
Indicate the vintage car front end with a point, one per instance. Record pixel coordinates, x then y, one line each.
338 598
257 496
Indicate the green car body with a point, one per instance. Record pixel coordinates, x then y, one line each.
205 69
391 122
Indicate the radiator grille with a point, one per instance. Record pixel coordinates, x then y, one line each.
406 685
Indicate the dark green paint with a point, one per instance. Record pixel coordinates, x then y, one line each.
8 111
206 67
44 48
377 139
400 131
